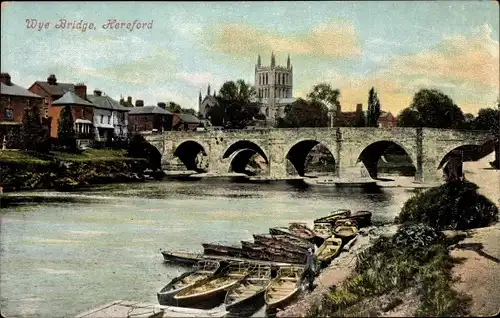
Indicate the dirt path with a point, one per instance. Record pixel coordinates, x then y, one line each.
486 178
480 272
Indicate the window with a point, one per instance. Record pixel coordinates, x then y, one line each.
46 101
102 119
9 114
46 112
109 119
83 112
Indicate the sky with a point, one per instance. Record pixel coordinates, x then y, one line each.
397 47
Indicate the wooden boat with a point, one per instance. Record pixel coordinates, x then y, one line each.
334 216
301 230
323 230
345 229
283 241
250 291
184 258
284 288
209 292
221 250
329 249
254 251
281 230
362 218
202 270
274 254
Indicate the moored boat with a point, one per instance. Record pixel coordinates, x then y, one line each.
362 218
329 249
281 230
284 288
288 242
221 250
334 216
274 254
184 258
323 230
202 270
301 230
209 292
345 229
248 294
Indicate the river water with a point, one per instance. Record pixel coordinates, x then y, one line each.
81 249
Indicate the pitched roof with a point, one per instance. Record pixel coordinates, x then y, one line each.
106 102
384 114
70 98
148 110
15 90
56 90
188 118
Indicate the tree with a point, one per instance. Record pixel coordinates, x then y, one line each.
34 136
189 111
360 120
236 108
174 107
373 108
488 119
325 94
304 113
66 130
436 110
408 118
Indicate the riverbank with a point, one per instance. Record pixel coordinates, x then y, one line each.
25 171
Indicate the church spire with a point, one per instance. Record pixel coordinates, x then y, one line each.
215 92
208 90
199 97
288 62
273 60
258 61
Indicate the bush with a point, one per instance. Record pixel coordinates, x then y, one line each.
452 206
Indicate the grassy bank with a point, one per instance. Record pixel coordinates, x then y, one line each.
25 170
410 274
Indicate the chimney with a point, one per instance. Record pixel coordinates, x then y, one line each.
97 92
129 100
81 90
359 107
5 78
162 105
139 103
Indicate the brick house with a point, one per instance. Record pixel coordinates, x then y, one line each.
52 90
149 119
185 121
387 120
82 112
110 118
13 100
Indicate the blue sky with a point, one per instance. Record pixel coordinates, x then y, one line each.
397 47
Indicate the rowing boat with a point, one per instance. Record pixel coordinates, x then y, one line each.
209 292
334 216
362 218
329 249
202 270
345 229
323 230
301 230
221 250
284 288
248 294
184 258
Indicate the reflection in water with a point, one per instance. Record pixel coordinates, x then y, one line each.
77 250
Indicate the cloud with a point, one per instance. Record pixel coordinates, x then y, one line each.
330 39
200 79
459 59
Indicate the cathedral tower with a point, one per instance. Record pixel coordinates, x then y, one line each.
274 85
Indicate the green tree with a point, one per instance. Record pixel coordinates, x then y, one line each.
174 107
304 113
436 110
488 119
189 111
408 118
360 120
325 94
66 130
236 108
34 136
373 108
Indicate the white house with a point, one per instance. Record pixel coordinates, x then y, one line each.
110 118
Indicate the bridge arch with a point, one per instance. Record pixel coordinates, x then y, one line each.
372 153
297 154
190 152
239 154
455 155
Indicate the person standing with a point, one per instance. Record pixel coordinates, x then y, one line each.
309 268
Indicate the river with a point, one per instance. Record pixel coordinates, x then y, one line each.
81 249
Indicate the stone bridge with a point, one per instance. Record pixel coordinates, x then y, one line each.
225 151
